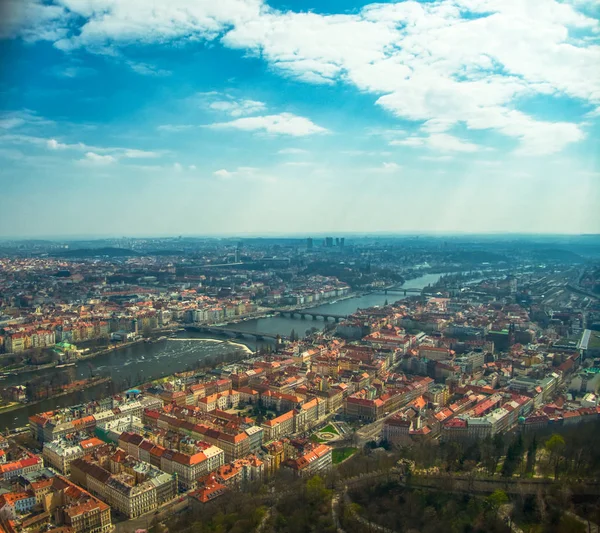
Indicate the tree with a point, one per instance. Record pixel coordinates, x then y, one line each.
514 456
497 498
570 524
531 456
316 490
555 446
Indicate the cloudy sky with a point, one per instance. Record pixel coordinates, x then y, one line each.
153 117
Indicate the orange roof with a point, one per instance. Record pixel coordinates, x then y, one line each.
85 420
11 498
212 488
227 471
90 443
40 485
233 438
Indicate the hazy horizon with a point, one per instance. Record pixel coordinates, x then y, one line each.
299 236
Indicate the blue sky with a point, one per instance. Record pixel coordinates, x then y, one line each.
132 117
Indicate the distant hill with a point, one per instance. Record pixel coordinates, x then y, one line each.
165 252
476 257
557 254
96 252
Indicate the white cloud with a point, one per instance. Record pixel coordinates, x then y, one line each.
93 158
146 69
174 128
177 167
292 151
129 21
387 167
72 71
244 173
32 19
436 125
238 108
361 153
281 124
594 113
222 173
436 157
298 164
409 141
56 145
136 154
10 122
24 117
439 142
448 143
192 167
53 144
425 61
127 153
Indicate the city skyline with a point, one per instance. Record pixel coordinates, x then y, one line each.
248 117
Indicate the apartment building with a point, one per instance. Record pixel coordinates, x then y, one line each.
311 462
134 489
187 467
60 453
75 508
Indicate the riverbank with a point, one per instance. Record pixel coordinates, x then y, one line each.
91 383
30 368
110 349
264 313
137 364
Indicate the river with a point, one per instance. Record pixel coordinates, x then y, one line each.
285 325
144 362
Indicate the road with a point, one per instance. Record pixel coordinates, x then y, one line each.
369 432
143 522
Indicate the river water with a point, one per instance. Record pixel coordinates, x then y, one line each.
144 362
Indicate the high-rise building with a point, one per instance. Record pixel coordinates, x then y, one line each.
342 240
309 243
329 242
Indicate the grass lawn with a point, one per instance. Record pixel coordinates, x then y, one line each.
594 340
329 429
314 438
8 406
340 454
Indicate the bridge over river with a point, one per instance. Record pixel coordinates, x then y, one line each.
397 290
292 313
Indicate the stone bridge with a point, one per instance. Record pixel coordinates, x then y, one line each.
472 484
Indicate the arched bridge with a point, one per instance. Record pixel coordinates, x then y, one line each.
398 290
312 314
233 332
